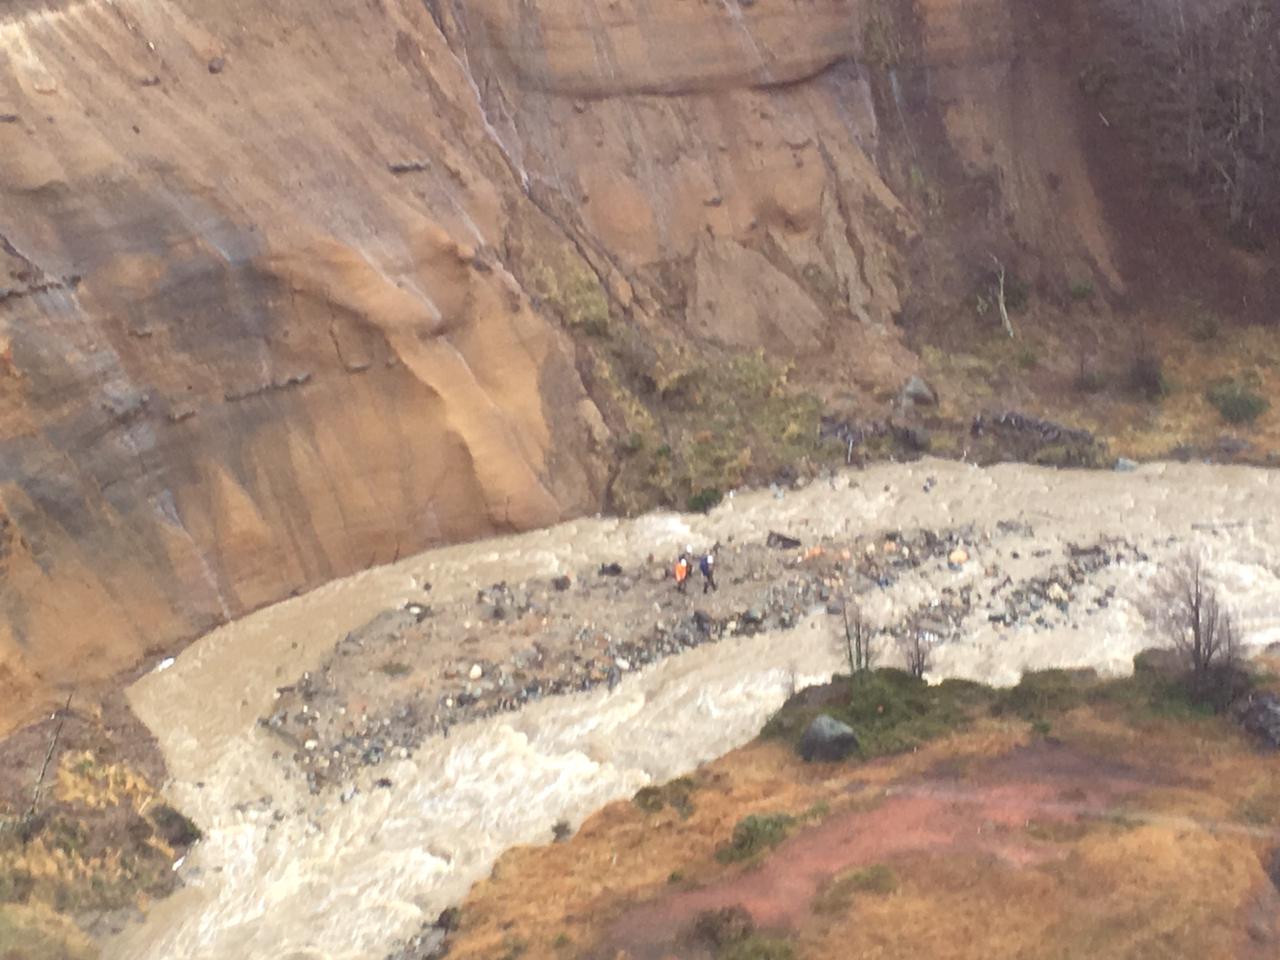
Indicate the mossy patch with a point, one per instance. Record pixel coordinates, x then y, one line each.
890 710
567 285
755 834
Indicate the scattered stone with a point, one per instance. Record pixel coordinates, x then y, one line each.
476 672
781 541
561 583
150 81
1125 465
1057 594
8 118
217 65
1261 717
958 557
383 783
409 166
610 569
827 740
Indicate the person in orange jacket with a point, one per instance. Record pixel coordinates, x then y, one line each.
684 567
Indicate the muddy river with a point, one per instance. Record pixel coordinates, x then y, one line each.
288 875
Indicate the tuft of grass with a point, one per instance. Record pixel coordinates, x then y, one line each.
1081 290
837 895
396 668
1236 401
757 947
1043 693
1205 328
677 794
754 834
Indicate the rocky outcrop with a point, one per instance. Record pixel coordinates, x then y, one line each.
242 354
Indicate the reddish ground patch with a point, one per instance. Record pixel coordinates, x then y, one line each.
984 813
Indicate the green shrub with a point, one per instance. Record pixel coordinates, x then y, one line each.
396 668
754 835
1237 402
1146 372
705 499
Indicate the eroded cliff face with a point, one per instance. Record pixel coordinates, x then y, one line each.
291 288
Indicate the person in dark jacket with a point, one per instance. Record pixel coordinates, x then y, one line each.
707 566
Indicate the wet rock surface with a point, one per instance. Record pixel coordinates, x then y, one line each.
421 670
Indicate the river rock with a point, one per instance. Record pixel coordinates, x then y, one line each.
958 557
476 671
827 740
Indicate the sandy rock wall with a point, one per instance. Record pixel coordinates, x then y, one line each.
288 289
254 331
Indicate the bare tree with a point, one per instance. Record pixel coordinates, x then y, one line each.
917 646
859 638
1185 609
1000 299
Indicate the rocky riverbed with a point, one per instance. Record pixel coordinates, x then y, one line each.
423 668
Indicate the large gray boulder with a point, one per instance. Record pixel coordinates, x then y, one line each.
827 740
917 392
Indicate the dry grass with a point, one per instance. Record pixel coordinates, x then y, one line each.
623 854
1155 877
34 932
92 848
